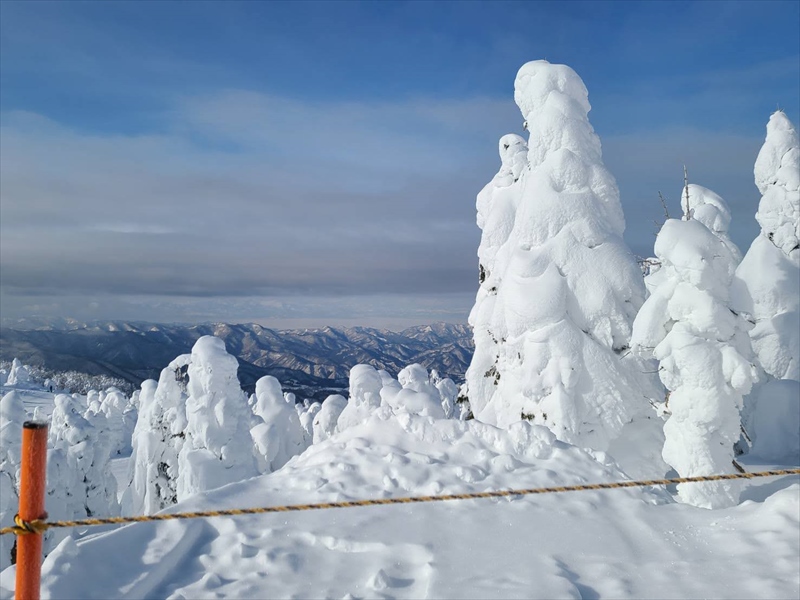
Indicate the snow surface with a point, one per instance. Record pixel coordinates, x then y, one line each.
628 543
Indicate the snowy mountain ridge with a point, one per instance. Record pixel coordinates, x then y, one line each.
303 360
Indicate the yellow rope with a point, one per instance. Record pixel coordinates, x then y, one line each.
38 526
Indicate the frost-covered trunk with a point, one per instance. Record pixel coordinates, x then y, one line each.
559 288
704 353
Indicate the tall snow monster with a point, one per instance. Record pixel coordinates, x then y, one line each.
218 448
559 288
767 282
705 357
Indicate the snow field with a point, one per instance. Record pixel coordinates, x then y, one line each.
625 543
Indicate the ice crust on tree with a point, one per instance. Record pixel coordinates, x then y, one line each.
768 278
218 448
559 289
279 435
704 353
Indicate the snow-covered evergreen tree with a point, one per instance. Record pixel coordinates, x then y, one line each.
496 208
88 451
555 320
157 441
218 447
120 419
417 395
279 435
307 412
324 425
19 375
712 211
448 392
364 396
704 353
768 279
12 416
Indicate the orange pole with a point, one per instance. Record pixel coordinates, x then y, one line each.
31 506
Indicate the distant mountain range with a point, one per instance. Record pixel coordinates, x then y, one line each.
312 363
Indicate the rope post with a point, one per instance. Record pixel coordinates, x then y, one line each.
31 507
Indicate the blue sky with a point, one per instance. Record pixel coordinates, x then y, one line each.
309 163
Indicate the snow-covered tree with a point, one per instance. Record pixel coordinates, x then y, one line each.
157 441
553 315
768 279
65 497
324 425
448 392
704 353
279 435
112 412
19 375
121 416
417 396
88 451
496 208
364 396
12 416
307 411
218 447
712 211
